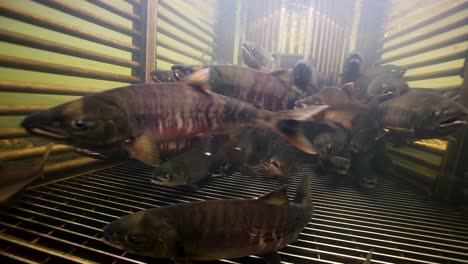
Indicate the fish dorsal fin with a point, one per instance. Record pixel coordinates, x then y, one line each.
283 75
143 148
276 197
199 80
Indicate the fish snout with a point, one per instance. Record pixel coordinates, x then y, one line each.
43 124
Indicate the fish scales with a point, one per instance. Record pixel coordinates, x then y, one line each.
218 232
160 112
258 88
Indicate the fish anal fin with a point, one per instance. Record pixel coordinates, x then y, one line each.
275 197
143 148
272 258
199 80
283 75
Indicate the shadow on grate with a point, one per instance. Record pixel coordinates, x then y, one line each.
62 222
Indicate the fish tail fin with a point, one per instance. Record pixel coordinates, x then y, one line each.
303 191
288 124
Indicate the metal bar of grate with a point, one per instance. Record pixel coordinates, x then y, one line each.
62 221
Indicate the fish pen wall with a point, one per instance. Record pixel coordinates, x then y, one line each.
53 51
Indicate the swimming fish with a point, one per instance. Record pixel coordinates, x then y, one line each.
256 57
422 114
143 117
160 76
187 168
215 229
272 91
14 180
307 78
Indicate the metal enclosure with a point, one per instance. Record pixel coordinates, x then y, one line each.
53 51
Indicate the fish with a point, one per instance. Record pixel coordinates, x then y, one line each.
14 180
188 168
421 114
160 76
283 162
215 229
180 71
271 91
143 117
256 57
332 96
386 86
307 78
332 141
352 68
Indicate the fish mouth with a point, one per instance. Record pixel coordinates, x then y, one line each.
249 58
453 121
48 132
109 240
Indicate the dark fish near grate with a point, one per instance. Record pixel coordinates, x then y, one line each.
206 230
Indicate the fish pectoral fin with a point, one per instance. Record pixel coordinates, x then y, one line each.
272 258
275 197
284 76
199 80
143 148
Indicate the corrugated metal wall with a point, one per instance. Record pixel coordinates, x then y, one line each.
185 32
53 51
431 39
316 29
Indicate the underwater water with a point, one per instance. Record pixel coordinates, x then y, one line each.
166 129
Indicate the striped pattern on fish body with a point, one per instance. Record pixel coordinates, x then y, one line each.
215 229
233 228
258 88
172 111
140 117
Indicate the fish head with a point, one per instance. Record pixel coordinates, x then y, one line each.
142 233
354 62
250 54
309 101
169 174
274 168
92 120
302 73
441 118
395 71
160 76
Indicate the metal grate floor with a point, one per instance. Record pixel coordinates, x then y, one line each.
62 222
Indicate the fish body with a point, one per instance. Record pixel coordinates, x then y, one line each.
14 180
216 229
422 114
332 96
140 117
271 91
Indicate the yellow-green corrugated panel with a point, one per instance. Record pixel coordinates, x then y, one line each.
57 58
197 44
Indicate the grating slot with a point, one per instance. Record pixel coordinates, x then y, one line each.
398 223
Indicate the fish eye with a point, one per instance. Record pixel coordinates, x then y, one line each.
81 125
134 239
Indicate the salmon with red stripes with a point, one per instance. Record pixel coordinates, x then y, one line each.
142 117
